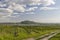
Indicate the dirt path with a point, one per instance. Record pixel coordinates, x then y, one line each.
47 37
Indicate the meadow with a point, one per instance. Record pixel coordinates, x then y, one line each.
18 32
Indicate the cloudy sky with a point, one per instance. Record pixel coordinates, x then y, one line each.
46 11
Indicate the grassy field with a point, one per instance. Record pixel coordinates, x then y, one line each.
17 32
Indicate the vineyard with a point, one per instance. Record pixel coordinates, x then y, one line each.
17 32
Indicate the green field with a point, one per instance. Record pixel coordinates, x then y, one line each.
17 32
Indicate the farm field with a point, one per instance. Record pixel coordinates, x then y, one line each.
17 32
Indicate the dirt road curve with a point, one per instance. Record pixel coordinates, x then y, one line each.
48 37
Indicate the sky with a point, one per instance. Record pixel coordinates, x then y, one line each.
44 11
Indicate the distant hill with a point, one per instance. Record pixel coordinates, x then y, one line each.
28 22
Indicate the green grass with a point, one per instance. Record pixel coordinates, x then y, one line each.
16 32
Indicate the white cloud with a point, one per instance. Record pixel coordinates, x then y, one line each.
32 9
35 2
43 2
2 5
19 6
10 16
15 13
48 8
5 11
30 13
48 2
